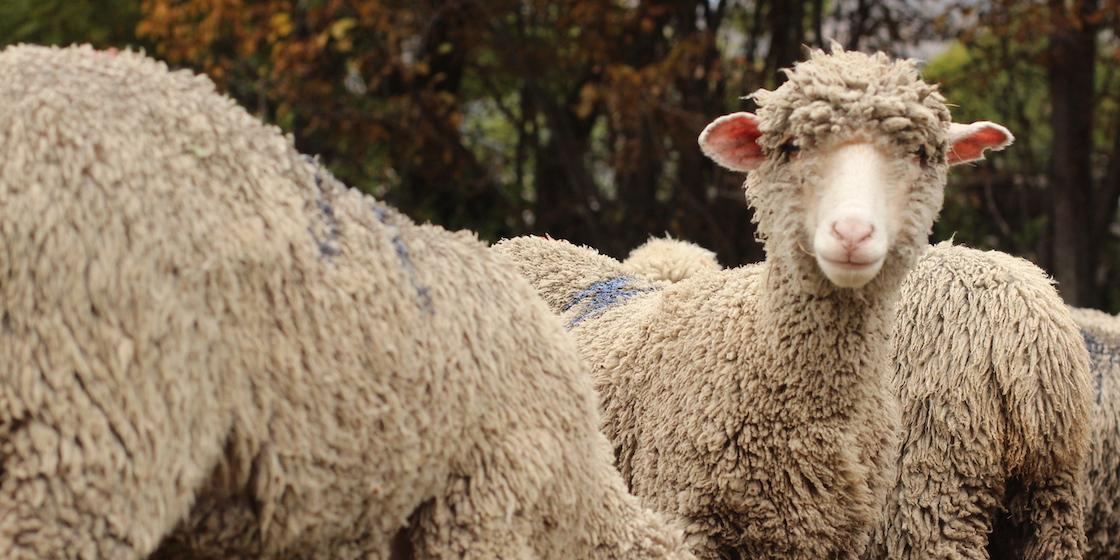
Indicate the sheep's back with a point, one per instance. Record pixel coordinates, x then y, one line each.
708 423
207 319
993 381
569 276
132 243
1102 470
669 259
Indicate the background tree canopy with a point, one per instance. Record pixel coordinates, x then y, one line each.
579 118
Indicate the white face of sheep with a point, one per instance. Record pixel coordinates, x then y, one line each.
854 206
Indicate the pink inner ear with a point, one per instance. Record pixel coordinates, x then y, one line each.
970 141
732 141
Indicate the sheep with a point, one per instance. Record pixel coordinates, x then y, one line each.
214 349
989 446
669 259
1101 332
753 403
993 378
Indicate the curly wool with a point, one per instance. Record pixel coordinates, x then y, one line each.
669 259
215 350
995 390
833 99
1004 307
838 98
848 91
753 403
1102 470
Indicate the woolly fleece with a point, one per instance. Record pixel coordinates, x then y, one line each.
669 259
732 454
1016 305
215 350
753 403
1102 472
994 384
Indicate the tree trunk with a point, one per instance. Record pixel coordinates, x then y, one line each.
787 33
1070 75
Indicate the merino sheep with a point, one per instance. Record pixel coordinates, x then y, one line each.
754 403
1102 471
216 350
993 380
669 259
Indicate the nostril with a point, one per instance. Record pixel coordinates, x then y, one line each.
852 232
870 232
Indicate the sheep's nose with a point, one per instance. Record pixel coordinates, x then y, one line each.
852 232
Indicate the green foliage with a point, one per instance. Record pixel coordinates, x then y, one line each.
997 80
102 23
997 203
579 118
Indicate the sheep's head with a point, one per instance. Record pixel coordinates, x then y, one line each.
848 160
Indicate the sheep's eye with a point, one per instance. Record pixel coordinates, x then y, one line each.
789 148
922 155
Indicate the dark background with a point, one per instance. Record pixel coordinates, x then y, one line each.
579 118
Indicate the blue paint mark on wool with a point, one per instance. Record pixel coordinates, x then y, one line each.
1099 353
423 295
328 246
601 296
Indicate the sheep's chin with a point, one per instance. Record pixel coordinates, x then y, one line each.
849 275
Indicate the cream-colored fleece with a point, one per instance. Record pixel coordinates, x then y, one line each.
993 378
1102 470
754 403
213 349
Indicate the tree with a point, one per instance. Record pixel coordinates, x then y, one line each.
1050 77
1070 69
102 23
576 118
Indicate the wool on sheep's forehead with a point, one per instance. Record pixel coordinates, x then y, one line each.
831 99
844 90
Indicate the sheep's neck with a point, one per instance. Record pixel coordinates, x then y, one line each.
833 336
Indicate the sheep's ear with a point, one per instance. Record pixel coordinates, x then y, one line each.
967 142
732 141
